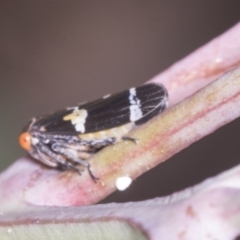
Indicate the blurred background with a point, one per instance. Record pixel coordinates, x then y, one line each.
55 54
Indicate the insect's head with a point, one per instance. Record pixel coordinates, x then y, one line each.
25 138
25 141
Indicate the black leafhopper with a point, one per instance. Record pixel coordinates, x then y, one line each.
69 137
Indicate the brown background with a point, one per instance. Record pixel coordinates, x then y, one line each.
58 53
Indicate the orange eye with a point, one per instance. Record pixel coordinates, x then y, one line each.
25 141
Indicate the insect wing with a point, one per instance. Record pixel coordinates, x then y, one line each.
136 105
153 100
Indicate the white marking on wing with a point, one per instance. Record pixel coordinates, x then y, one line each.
135 106
78 119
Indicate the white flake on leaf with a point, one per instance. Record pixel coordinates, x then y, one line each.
122 183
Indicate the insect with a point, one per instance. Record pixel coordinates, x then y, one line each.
70 136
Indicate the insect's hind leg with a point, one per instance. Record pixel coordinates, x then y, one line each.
85 164
63 149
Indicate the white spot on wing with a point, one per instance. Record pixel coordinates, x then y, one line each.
135 105
122 183
78 119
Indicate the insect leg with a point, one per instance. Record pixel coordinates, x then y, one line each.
63 149
48 155
135 140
